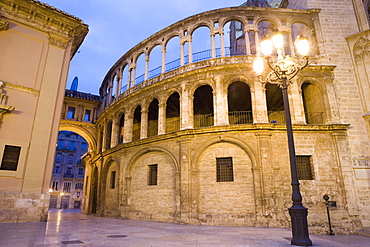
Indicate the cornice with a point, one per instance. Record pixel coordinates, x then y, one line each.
47 19
22 88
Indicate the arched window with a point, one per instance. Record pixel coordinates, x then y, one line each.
136 127
121 131
203 107
201 44
153 118
236 38
314 107
239 103
173 113
275 104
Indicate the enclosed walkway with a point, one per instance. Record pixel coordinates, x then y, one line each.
71 228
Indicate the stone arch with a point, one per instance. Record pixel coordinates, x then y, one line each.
239 103
232 18
109 178
239 191
156 201
199 25
88 135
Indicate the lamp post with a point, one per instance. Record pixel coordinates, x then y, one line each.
284 68
326 198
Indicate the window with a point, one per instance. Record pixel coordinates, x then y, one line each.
304 166
10 158
58 158
80 171
112 180
152 175
70 159
67 187
87 115
69 171
84 146
72 146
55 185
78 186
71 112
57 169
225 169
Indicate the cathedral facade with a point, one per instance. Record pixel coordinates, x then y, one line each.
199 140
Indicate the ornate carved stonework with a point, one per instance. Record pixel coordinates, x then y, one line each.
55 22
3 107
4 25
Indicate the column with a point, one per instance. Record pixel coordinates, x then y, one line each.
144 124
129 120
220 104
115 130
133 76
291 44
222 44
104 139
296 104
259 103
163 59
190 51
119 84
146 75
213 50
247 43
162 119
257 41
182 58
186 109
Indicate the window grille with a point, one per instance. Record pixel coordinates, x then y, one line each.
67 187
225 169
304 166
78 186
112 180
152 175
10 158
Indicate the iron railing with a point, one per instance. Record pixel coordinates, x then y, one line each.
277 117
240 117
205 120
172 125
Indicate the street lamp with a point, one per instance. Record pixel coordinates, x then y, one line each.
284 68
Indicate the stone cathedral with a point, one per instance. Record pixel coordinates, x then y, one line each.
190 135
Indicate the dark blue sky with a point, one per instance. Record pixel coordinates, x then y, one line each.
118 25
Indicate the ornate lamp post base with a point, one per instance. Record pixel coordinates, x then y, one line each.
298 214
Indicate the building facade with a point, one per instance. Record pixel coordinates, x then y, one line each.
36 44
199 140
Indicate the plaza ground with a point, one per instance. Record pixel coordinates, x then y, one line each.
72 228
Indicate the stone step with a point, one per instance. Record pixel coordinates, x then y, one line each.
365 231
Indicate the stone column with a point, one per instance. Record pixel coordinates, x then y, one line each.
104 139
291 44
182 56
257 41
247 43
213 49
144 124
163 59
133 76
259 103
99 139
190 51
186 108
146 75
296 104
115 131
129 120
222 44
119 84
162 119
220 104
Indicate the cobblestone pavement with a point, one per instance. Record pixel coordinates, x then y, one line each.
71 228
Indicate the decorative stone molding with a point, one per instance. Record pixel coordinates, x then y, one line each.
4 25
362 45
46 19
3 107
58 42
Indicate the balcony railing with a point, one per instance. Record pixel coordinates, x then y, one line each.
240 117
67 175
203 120
277 117
172 125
